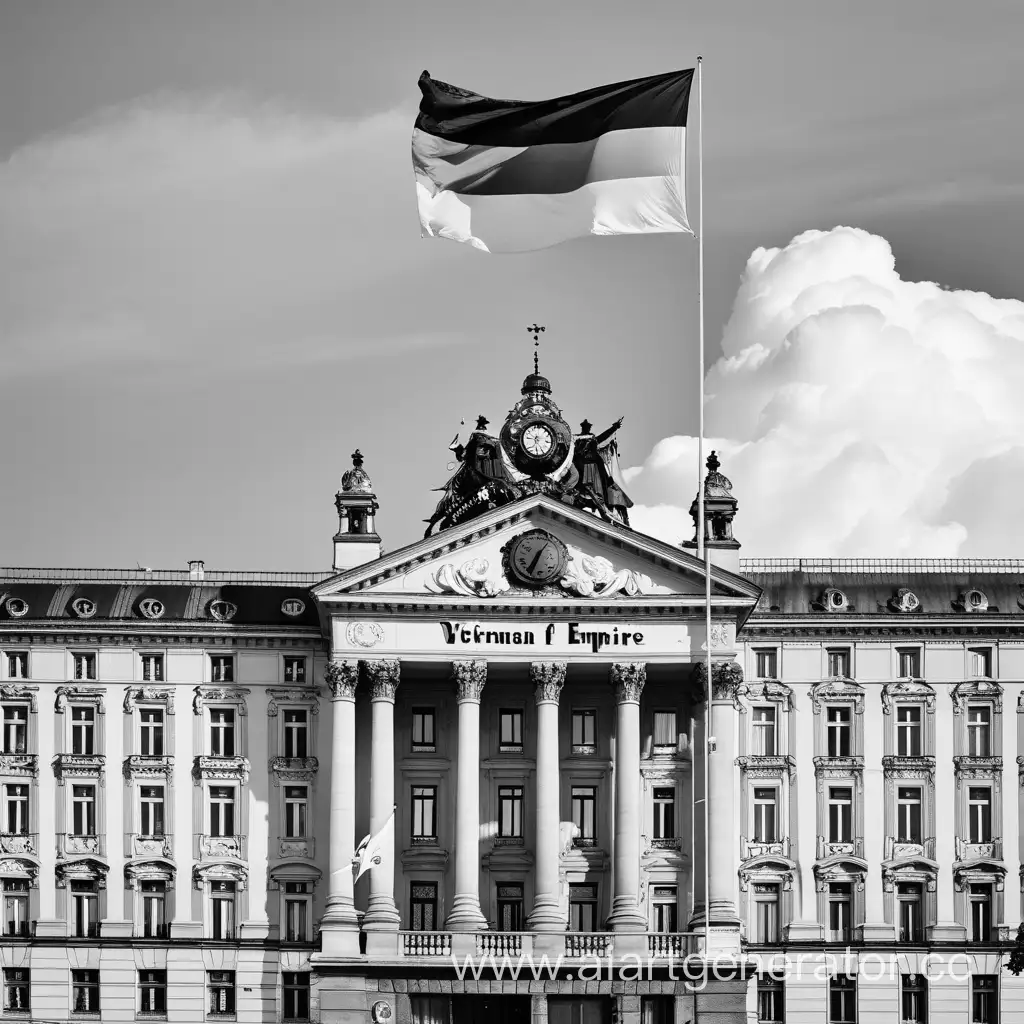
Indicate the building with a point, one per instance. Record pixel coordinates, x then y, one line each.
513 708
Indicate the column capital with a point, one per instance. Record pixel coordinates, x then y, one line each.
628 678
383 676
342 677
548 678
470 675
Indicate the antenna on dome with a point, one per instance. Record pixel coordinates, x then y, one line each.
536 332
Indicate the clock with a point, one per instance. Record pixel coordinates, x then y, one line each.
536 558
538 440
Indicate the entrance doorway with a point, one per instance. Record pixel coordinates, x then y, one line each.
490 1009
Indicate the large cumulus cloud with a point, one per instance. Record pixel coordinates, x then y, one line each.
856 413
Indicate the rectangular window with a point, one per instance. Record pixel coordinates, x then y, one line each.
221 986
979 730
510 811
765 815
840 815
294 670
913 999
17 664
296 911
153 668
296 995
981 913
840 911
763 724
984 999
222 732
511 731
423 906
908 814
296 733
908 730
154 909
979 814
423 734
842 1000
83 810
664 812
839 662
584 802
17 988
85 992
83 730
222 910
666 739
15 729
665 908
222 668
15 906
222 811
424 812
766 664
909 659
296 801
153 992
910 904
771 1000
16 808
979 662
766 907
85 666
510 906
582 908
584 731
151 810
85 917
151 732
839 729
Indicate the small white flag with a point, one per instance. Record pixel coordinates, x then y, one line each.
374 848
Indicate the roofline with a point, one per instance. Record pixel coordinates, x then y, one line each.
253 577
882 565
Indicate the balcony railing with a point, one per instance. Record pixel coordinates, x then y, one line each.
69 845
504 943
587 943
20 765
149 846
667 944
426 943
19 842
221 846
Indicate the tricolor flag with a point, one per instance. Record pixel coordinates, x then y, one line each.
374 848
509 176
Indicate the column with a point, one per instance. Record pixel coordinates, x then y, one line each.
466 915
381 913
340 926
548 678
628 678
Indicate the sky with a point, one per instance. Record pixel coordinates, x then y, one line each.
212 285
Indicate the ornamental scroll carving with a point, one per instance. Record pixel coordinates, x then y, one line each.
79 694
628 678
470 675
12 691
911 690
220 695
548 678
471 579
837 689
150 694
307 698
976 689
342 678
726 680
383 677
594 576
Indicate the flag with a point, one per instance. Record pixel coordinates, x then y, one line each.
373 849
509 176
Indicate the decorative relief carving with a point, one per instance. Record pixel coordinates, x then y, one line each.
383 676
364 634
151 846
21 868
628 678
720 636
203 873
12 843
205 694
594 576
908 690
148 695
974 769
904 600
293 769
221 846
297 848
470 675
726 679
15 691
307 698
23 765
136 874
837 689
548 678
768 690
220 768
471 579
78 766
84 607
87 870
147 766
896 767
976 689
80 695
766 767
342 678
74 846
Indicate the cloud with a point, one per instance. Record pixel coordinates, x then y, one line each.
856 413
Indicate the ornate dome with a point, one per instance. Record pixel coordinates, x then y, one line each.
716 485
356 480
535 383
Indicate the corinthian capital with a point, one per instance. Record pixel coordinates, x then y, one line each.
548 678
342 677
628 678
383 677
726 679
469 674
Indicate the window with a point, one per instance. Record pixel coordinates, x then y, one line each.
83 810
15 728
296 911
430 1009
839 730
840 911
151 807
582 908
85 666
584 731
154 909
296 799
222 668
984 999
151 732
771 1000
511 731
764 732
910 903
979 730
842 1000
839 663
510 906
16 809
766 913
979 814
152 992
664 812
913 999
296 733
294 670
908 814
664 906
584 800
83 730
17 988
85 917
840 815
979 662
85 991
17 665
766 664
153 668
765 815
423 906
222 811
222 732
423 725
908 730
424 813
296 996
657 1010
510 811
909 659
981 913
666 740
222 992
15 906
222 910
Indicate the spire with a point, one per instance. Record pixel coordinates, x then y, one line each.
356 480
535 383
356 541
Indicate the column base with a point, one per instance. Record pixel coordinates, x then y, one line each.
948 931
466 915
381 915
878 931
546 916
338 940
626 916
723 915
340 913
382 944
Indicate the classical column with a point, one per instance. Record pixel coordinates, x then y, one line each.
628 678
466 915
548 678
340 927
381 913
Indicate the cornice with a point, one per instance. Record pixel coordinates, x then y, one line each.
185 634
854 626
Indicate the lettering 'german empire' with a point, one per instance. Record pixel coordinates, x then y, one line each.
474 634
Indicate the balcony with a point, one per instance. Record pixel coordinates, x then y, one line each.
504 943
216 769
966 850
24 766
303 768
896 847
426 943
296 847
847 848
146 766
760 847
573 945
77 766
150 846
220 846
667 944
69 845
19 842
588 943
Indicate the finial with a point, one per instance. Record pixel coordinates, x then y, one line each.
357 458
536 331
481 422
713 463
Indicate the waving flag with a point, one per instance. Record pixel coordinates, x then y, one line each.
509 176
373 849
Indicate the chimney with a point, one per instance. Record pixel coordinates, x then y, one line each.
195 569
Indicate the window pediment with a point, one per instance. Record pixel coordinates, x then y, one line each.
767 869
841 868
910 690
20 867
976 689
15 691
979 870
837 690
295 871
206 695
137 872
78 695
910 869
304 698
767 691
148 695
87 869
223 871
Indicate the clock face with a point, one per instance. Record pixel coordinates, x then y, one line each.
538 440
536 558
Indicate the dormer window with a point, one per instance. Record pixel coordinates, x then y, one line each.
835 600
839 663
979 662
974 601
